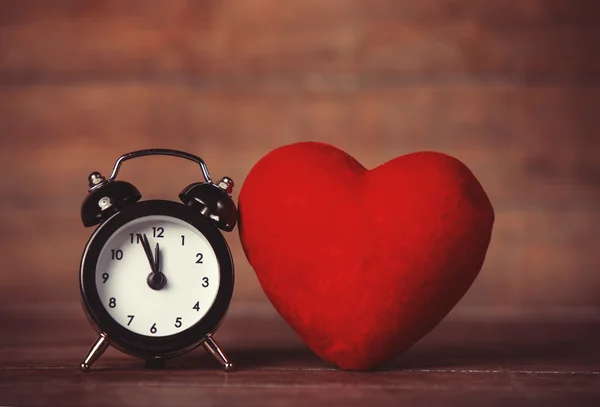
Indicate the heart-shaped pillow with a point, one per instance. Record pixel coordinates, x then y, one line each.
360 263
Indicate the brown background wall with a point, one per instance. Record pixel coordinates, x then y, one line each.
508 87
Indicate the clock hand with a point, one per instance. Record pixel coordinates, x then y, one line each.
157 259
148 250
156 280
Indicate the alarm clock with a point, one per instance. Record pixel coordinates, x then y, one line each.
157 276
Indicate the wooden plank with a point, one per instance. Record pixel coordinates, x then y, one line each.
509 12
532 148
463 362
224 43
426 11
503 172
457 115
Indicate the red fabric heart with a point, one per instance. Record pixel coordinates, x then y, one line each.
362 264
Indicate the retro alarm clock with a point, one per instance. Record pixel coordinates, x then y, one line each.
157 276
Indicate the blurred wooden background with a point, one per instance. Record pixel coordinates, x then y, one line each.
510 87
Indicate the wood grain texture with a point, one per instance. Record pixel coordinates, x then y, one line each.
534 40
463 362
511 88
542 137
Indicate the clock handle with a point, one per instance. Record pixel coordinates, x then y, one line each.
159 151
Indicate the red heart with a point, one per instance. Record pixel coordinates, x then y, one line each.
362 264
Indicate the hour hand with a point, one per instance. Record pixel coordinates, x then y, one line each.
157 259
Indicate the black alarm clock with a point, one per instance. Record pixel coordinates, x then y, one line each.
157 276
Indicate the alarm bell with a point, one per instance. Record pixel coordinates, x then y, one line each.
213 201
106 198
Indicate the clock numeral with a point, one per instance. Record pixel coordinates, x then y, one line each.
112 302
197 306
199 257
178 322
182 240
153 328
116 254
130 319
135 238
105 277
204 282
158 232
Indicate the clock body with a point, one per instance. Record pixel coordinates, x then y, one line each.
144 321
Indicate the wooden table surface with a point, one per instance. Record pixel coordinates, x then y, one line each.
466 361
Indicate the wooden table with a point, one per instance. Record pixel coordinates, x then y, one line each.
466 361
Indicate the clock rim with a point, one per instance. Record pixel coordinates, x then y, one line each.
141 345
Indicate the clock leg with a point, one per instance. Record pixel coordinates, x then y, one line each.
95 352
211 347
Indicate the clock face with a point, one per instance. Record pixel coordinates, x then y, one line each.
187 261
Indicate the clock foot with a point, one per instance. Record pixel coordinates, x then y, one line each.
211 347
156 363
95 352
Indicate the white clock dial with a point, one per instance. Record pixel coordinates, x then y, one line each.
188 262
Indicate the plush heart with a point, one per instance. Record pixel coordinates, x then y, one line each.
360 263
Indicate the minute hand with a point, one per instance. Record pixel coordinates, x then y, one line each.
148 250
